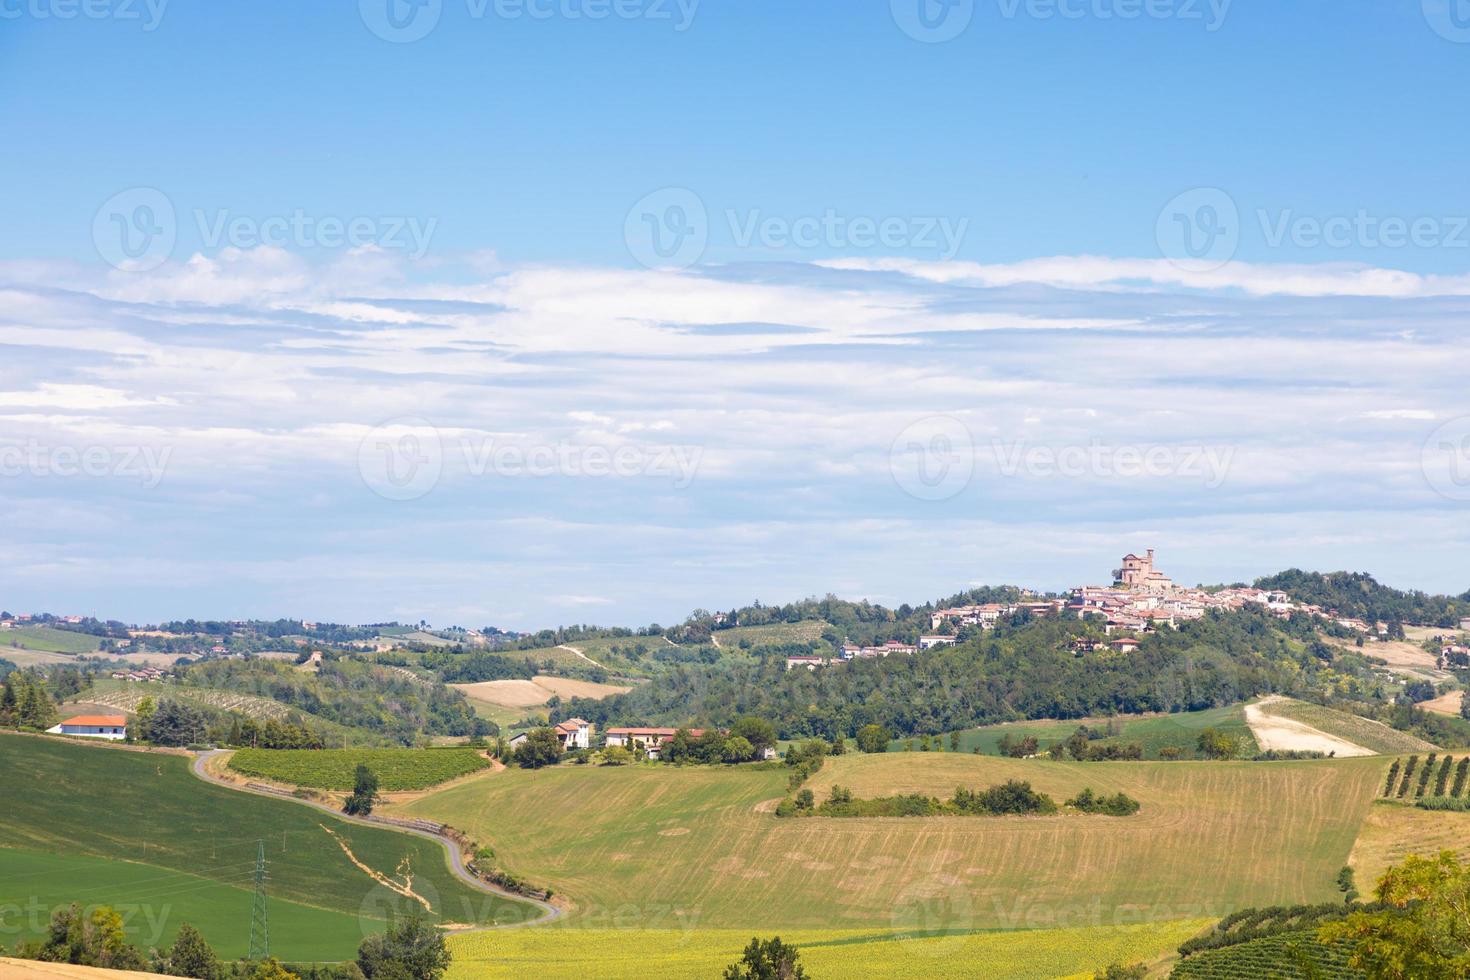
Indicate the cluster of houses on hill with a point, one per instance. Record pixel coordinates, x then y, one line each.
141 674
1139 601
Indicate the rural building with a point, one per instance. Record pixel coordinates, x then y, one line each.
575 733
113 727
1124 645
650 740
809 662
929 642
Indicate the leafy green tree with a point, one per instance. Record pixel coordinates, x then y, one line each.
411 948
1215 744
769 959
738 749
873 738
1117 971
1393 778
1408 775
1424 933
541 748
1442 778
271 969
761 734
190 956
364 792
616 755
175 723
1424 775
90 940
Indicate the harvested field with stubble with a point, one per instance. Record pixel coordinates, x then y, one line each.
667 846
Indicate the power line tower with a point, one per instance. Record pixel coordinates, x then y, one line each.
260 932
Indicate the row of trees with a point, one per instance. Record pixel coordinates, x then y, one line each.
410 949
1429 779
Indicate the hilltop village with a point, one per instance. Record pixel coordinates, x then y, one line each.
1140 600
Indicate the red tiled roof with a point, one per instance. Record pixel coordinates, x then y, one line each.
100 721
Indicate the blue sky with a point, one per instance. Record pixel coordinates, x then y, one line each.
790 258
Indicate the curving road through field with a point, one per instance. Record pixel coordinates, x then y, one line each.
549 912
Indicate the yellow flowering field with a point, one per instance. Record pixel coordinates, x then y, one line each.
671 954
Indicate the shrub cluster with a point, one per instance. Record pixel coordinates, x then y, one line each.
1118 805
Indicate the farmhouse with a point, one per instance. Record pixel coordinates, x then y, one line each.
114 727
1125 644
929 642
651 740
574 733
803 660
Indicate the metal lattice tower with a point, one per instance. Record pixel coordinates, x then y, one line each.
260 932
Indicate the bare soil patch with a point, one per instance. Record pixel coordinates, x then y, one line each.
1445 704
1285 734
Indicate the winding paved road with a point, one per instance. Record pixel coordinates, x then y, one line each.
549 912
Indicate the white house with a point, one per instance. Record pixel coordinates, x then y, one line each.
929 642
575 733
114 727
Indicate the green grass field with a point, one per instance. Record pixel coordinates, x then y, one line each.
666 847
1152 732
155 901
115 806
396 769
1371 735
623 954
48 640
